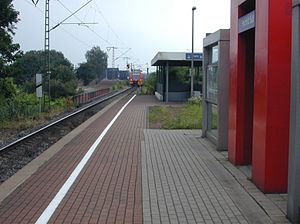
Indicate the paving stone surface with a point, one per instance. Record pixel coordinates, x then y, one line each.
108 190
138 175
184 183
178 187
272 205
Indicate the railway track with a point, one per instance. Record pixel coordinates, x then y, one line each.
17 154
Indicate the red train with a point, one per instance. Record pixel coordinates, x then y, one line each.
136 78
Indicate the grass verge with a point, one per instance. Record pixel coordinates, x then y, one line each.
189 116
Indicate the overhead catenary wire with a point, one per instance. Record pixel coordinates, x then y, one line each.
65 7
79 24
69 33
122 54
97 9
108 25
88 45
105 20
72 14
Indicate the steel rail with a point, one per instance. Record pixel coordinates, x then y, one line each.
90 105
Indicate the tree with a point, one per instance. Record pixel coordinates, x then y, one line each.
63 73
62 89
63 79
85 72
149 84
98 60
95 66
7 88
24 68
63 82
8 50
180 75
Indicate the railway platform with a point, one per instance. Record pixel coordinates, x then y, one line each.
112 169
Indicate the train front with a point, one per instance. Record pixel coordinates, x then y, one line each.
136 78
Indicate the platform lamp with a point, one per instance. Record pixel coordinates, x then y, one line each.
192 61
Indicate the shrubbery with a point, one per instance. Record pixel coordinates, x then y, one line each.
17 105
149 84
195 100
120 85
18 102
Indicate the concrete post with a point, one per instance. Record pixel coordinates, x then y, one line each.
205 113
293 212
192 61
223 88
167 82
159 74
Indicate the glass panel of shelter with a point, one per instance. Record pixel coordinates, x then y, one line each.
211 94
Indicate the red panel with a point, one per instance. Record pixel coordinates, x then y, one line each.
272 95
233 153
232 84
248 89
260 94
241 91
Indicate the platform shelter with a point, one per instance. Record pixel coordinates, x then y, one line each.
215 88
166 90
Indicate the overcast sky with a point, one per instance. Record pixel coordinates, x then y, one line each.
144 26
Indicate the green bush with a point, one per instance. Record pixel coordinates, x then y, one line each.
24 108
149 84
63 89
120 85
22 105
28 87
195 100
7 88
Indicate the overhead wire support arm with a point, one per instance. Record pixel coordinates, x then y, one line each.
67 32
35 2
123 54
59 1
72 14
79 24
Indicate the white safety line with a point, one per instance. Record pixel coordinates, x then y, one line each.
48 212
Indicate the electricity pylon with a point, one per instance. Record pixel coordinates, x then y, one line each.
113 55
47 45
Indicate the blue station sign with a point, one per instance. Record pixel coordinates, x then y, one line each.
247 21
197 56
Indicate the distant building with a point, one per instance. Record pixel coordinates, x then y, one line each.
112 73
115 73
123 74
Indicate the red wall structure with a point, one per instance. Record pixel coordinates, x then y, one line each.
259 103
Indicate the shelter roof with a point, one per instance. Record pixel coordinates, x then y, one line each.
177 59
